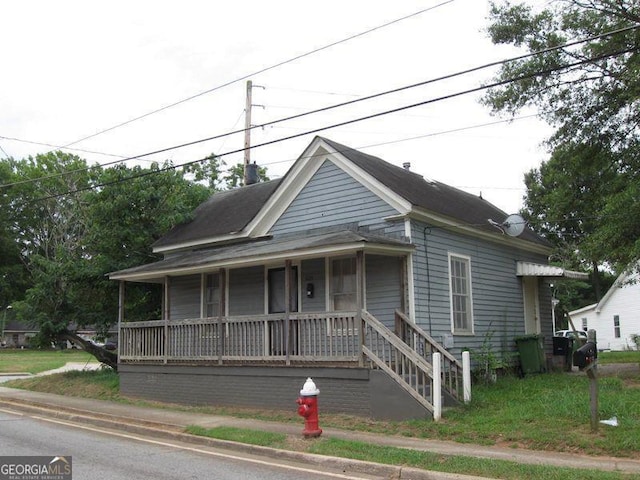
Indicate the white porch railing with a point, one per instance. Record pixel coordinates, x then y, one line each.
327 336
298 337
420 342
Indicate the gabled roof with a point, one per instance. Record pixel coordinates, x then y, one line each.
249 211
629 275
223 214
430 195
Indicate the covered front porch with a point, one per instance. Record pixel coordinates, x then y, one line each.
275 299
329 301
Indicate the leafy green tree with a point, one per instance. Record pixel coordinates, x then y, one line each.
584 196
49 232
67 225
13 275
127 217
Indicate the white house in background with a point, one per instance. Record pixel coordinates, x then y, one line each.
616 317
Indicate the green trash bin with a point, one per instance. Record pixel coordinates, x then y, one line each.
531 351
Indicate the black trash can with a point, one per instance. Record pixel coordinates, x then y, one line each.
562 346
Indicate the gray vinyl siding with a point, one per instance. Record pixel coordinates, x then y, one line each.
246 291
184 297
313 272
332 197
383 286
496 290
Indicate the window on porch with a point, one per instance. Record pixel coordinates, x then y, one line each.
343 284
212 295
460 287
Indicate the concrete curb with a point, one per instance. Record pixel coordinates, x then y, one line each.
175 433
121 417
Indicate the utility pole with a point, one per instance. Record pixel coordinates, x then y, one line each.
247 132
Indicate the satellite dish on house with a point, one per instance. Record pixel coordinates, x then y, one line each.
513 225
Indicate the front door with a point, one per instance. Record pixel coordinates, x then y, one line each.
531 305
280 331
276 282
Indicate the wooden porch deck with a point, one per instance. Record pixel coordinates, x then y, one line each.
330 339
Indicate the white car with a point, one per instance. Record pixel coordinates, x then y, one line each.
571 334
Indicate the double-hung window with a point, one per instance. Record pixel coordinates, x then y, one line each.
212 295
460 291
616 326
343 284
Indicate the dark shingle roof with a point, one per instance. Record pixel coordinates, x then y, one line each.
264 247
231 211
466 208
223 213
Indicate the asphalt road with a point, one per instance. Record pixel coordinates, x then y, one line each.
98 454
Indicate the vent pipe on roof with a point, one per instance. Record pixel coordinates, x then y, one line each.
252 174
406 165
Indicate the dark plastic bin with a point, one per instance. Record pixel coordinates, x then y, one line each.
562 346
531 351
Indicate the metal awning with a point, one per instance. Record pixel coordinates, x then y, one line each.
528 269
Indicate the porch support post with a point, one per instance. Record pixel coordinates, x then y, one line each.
222 312
287 309
360 301
404 288
166 315
120 315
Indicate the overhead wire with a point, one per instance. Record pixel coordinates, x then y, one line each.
263 70
425 135
359 119
389 92
60 147
4 152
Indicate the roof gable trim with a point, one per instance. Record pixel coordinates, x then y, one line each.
301 173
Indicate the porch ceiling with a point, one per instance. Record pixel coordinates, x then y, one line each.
268 249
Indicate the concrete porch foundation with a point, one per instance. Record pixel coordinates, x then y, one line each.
354 391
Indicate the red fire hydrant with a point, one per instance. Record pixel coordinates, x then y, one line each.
308 408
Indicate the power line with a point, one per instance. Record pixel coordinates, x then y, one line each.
66 172
359 119
263 70
395 90
4 152
426 135
59 147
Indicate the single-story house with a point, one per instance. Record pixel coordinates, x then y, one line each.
16 334
616 317
349 270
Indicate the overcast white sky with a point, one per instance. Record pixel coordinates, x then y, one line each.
73 68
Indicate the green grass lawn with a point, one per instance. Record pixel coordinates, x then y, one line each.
619 357
36 360
544 412
541 412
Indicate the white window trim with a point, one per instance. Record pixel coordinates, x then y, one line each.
329 270
331 330
203 292
276 266
470 281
